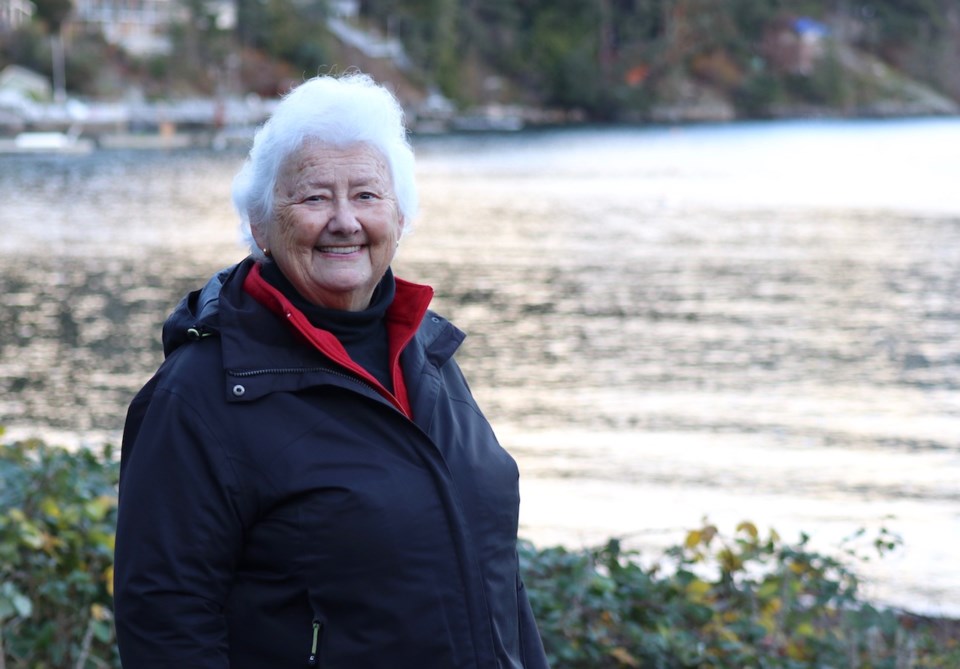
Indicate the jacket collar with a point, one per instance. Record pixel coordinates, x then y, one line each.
263 355
403 317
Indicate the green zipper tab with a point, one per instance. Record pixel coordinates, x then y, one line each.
312 660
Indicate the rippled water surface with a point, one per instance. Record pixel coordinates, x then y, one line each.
739 322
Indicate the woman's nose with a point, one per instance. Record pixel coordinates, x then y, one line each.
343 219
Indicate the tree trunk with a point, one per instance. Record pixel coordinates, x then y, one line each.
59 67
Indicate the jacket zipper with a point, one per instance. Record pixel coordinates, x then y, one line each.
302 370
314 644
283 370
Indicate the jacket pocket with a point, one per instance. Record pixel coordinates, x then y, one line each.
316 634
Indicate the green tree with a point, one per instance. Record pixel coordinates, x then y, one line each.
493 31
897 22
430 31
564 45
28 46
53 13
290 30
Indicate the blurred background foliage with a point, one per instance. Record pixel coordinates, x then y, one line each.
603 59
712 601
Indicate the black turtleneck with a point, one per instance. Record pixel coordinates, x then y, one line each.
362 333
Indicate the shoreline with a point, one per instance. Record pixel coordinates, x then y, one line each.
78 126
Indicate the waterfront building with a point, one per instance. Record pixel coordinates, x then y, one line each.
140 27
14 13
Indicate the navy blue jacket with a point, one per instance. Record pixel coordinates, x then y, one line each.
277 512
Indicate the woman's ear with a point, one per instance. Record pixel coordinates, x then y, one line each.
258 236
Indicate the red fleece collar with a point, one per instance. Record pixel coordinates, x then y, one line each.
403 318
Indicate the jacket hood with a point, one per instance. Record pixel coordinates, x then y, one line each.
197 314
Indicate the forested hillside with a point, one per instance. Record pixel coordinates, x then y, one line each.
624 58
599 60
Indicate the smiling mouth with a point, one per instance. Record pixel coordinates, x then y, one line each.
339 250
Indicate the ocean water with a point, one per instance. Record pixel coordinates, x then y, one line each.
665 325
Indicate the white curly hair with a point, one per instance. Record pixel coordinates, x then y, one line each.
339 110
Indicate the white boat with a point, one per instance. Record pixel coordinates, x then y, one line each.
47 142
156 140
493 117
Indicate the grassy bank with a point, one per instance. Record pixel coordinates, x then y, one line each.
713 601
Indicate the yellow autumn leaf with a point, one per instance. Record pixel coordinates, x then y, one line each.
768 589
773 606
796 652
97 508
106 539
749 528
51 543
31 536
730 560
108 578
698 590
50 508
99 612
768 620
623 656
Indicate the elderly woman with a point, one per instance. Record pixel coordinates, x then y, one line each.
307 480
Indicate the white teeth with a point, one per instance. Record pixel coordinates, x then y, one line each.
339 249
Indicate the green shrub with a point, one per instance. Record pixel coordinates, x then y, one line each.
57 520
710 603
715 603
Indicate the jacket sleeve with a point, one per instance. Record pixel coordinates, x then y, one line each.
178 538
534 656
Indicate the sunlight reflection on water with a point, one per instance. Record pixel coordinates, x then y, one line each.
748 322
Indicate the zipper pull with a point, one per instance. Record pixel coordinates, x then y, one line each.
312 660
198 332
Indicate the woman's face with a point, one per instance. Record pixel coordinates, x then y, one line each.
336 223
